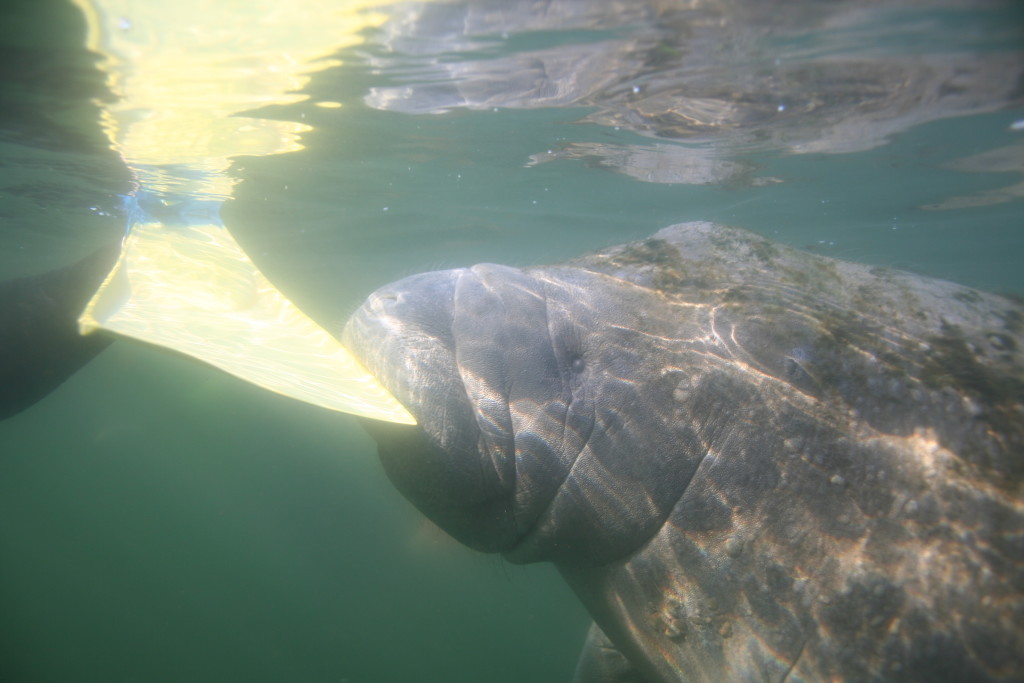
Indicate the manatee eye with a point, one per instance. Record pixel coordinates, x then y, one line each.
577 365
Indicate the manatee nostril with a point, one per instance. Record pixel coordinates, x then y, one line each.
386 300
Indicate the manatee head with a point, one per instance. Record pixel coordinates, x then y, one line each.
546 422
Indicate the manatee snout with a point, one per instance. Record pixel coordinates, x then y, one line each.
403 331
403 334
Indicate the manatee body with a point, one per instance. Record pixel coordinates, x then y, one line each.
750 462
40 345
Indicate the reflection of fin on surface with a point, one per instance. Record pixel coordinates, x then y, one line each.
192 289
40 345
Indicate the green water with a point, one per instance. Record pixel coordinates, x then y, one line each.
162 522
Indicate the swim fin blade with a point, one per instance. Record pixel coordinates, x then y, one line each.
192 288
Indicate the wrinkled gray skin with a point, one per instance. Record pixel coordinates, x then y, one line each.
750 462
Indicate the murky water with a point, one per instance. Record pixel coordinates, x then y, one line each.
162 522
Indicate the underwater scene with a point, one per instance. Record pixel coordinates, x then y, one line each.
162 520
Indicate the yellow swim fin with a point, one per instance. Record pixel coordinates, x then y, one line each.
191 288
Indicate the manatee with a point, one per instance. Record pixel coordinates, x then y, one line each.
40 346
748 461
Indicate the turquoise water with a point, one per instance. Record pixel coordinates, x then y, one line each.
162 522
